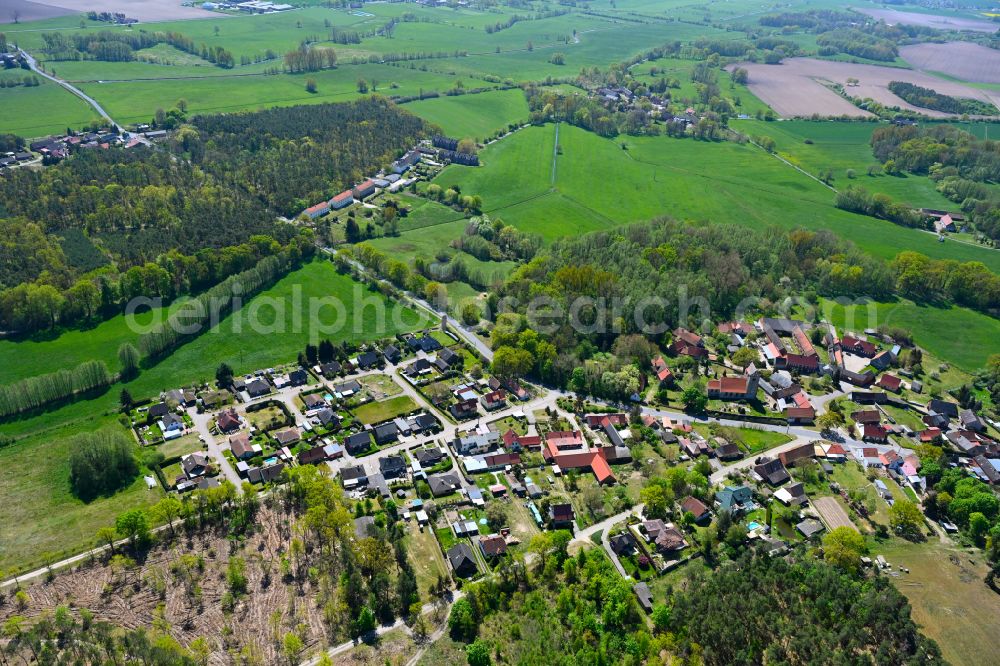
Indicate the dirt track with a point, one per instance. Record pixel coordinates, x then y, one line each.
798 87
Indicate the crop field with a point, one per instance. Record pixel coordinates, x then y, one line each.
936 21
598 185
795 88
962 60
477 116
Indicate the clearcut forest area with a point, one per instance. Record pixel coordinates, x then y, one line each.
499 332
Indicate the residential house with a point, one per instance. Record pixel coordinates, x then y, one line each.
314 402
171 426
968 442
182 397
870 457
331 369
493 400
792 495
385 433
369 360
662 372
732 388
598 421
462 560
448 359
666 538
157 412
464 409
687 343
944 408
346 389
313 456
257 388
194 464
358 442
444 484
265 474
622 543
354 477
889 382
891 460
392 353
883 360
241 447
869 397
228 421
735 499
564 439
810 527
328 418
728 451
970 421
429 457
561 515
771 471
392 467
492 546
874 433
800 415
287 436
477 444
929 436
517 442
695 446
419 367
695 507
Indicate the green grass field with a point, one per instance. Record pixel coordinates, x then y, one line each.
376 412
40 110
955 335
43 521
477 116
839 147
598 185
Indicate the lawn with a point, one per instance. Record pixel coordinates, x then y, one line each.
376 412
180 446
380 386
477 116
950 602
425 555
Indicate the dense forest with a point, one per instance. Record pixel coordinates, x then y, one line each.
931 99
292 157
767 610
966 168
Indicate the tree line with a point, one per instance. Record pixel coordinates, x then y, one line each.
926 98
43 390
120 46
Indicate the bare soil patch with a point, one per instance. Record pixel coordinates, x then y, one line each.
894 16
798 87
832 513
129 598
143 10
963 60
